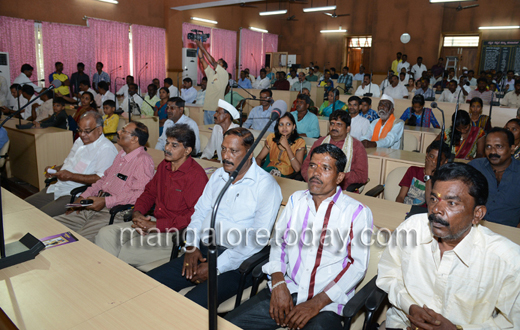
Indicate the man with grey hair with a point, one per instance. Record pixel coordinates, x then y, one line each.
88 159
387 131
121 183
174 190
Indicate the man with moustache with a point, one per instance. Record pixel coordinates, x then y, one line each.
359 125
243 224
174 190
223 122
122 183
387 131
456 274
301 84
260 115
175 112
502 172
356 168
310 283
451 93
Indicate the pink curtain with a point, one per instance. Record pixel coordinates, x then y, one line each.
225 46
68 44
148 46
17 39
270 45
186 43
111 46
251 51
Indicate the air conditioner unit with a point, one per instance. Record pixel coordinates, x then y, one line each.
190 64
5 72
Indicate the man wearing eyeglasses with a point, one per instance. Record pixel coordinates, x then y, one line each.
88 159
122 183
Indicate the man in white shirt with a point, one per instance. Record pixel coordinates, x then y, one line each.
86 163
512 99
385 136
301 83
45 110
403 79
293 77
396 90
84 86
309 284
418 69
132 101
149 101
509 81
451 93
29 113
175 112
471 78
174 91
223 117
262 82
123 91
244 220
260 115
456 273
251 77
18 101
404 64
368 87
188 92
105 95
359 126
386 82
201 94
361 74
25 77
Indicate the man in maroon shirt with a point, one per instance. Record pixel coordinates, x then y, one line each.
356 170
282 83
175 189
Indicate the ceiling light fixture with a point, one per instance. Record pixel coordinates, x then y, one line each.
273 12
115 2
312 9
334 31
257 29
204 20
499 27
440 1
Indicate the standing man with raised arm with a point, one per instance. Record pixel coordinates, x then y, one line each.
218 80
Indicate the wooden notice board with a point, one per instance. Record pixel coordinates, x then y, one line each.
500 55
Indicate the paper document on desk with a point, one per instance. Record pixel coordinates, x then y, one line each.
210 170
57 240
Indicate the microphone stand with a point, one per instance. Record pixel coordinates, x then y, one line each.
369 94
439 156
110 77
151 106
139 76
452 156
254 97
212 247
491 104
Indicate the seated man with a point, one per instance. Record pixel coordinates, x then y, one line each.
366 111
131 101
326 82
57 119
121 183
356 170
395 90
188 92
387 131
45 110
282 83
451 94
425 91
105 94
223 122
243 82
307 123
455 274
88 159
249 208
262 82
201 94
260 115
502 172
359 125
416 182
346 78
512 99
368 87
147 108
174 190
301 84
308 289
175 112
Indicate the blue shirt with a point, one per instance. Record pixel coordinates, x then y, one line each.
309 125
3 137
100 77
371 115
345 79
428 94
258 118
503 204
246 83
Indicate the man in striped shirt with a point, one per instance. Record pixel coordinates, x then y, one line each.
313 265
122 183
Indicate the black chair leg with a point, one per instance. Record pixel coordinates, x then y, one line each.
241 285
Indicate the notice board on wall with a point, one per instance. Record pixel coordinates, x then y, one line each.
500 55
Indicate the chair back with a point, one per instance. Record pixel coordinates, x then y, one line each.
392 187
203 141
3 153
377 247
410 143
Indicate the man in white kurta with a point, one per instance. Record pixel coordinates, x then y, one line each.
385 137
223 117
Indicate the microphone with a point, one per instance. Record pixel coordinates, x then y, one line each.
55 84
279 109
119 67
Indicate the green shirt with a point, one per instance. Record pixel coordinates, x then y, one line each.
312 78
236 98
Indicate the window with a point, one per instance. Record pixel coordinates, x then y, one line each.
360 42
461 41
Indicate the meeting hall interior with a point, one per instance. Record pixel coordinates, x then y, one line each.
154 155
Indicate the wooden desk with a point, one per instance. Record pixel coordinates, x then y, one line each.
80 285
11 203
152 122
287 96
32 150
195 112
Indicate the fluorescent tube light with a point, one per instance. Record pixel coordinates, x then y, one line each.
499 27
204 20
274 12
311 9
115 2
334 31
440 1
257 29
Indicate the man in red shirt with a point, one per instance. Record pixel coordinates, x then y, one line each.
356 170
175 189
282 83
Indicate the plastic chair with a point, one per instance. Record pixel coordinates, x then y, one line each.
391 187
410 143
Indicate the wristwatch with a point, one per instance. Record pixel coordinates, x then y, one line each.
459 327
427 178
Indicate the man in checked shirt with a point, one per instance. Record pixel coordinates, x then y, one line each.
317 254
122 183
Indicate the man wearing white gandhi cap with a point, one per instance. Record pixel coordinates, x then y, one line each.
223 117
387 131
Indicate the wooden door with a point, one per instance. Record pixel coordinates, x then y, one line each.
467 57
358 56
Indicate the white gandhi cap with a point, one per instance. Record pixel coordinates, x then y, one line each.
229 108
389 98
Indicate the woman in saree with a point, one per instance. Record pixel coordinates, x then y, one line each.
160 107
477 118
332 103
